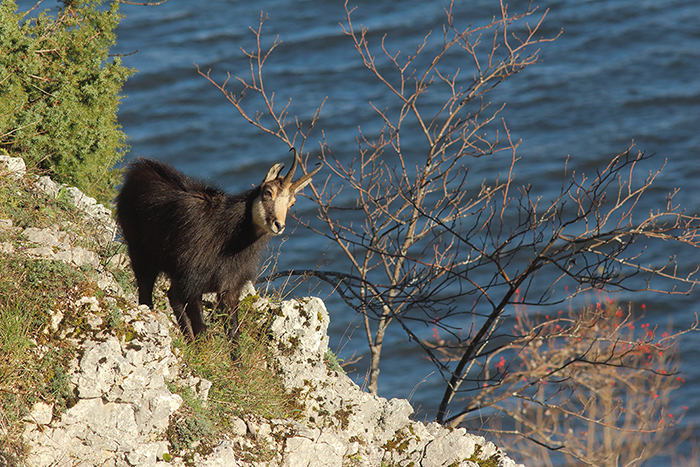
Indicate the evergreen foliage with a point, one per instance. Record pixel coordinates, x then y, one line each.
59 92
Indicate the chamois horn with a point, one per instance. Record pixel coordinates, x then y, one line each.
303 180
288 178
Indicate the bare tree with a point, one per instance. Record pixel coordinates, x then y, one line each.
428 245
592 383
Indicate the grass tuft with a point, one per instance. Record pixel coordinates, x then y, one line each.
243 382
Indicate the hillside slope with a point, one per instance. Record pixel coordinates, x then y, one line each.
117 407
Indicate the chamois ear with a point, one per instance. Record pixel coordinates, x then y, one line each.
273 172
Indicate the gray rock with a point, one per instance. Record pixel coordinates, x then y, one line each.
301 327
56 245
13 167
41 414
353 425
56 318
88 204
78 256
47 237
450 447
238 426
79 199
118 261
107 282
48 186
92 303
146 455
224 455
122 406
200 387
304 452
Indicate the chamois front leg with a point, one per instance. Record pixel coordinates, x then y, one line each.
228 305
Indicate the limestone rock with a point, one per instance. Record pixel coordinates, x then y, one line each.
48 186
224 455
354 424
41 414
14 167
123 404
55 244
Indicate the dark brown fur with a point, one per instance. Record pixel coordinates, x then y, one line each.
203 239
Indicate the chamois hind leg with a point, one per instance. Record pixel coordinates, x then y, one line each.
178 304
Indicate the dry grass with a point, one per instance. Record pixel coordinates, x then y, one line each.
244 382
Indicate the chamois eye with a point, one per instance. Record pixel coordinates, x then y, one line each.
267 195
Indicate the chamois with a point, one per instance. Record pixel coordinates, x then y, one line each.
202 238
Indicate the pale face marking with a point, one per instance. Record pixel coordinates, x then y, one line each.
277 196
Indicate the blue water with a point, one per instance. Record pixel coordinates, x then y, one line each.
621 71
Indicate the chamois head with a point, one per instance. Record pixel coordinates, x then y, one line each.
277 195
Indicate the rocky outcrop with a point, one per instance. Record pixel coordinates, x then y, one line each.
123 407
123 404
347 426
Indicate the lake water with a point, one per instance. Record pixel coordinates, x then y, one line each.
622 70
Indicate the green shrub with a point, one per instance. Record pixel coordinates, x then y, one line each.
59 92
